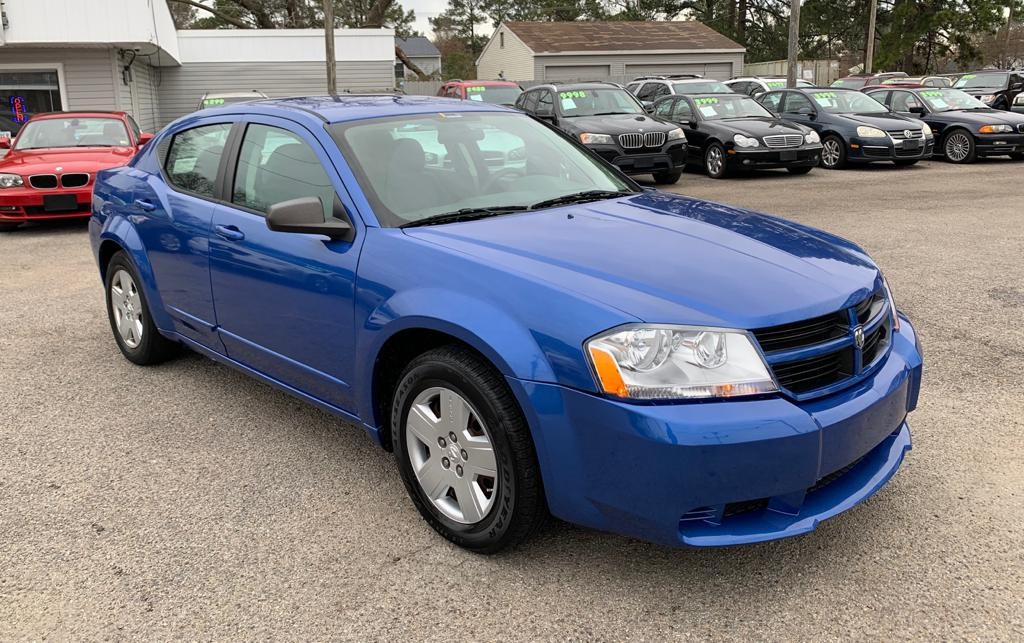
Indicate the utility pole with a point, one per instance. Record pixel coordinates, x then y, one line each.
332 81
794 42
869 50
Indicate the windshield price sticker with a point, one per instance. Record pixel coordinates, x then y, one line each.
476 89
573 94
706 101
931 94
776 84
968 76
210 102
825 95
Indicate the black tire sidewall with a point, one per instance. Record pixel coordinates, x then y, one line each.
144 353
424 374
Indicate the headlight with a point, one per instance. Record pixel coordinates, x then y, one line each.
1019 100
927 130
648 362
870 132
676 134
995 129
988 100
812 138
10 181
892 305
745 141
596 139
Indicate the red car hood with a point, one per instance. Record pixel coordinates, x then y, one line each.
76 159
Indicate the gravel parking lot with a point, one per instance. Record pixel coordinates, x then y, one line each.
189 501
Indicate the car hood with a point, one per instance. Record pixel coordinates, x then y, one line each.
672 259
615 124
83 159
882 121
760 126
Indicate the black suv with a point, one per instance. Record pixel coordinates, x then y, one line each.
612 123
995 88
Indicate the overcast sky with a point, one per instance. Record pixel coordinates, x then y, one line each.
426 9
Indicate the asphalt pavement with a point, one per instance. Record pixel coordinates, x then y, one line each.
188 501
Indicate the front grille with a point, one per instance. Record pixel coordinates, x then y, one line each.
820 352
746 506
636 140
835 475
783 140
1020 128
905 135
74 179
43 181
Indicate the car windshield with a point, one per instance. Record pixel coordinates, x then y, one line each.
993 79
702 87
713 108
846 102
498 95
593 101
947 100
417 167
850 83
72 132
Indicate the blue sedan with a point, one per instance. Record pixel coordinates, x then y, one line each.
527 329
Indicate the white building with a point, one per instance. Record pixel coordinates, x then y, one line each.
126 55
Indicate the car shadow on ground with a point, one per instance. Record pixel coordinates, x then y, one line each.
69 226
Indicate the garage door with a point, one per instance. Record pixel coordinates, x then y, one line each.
718 71
576 72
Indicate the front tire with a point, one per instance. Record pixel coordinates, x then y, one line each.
958 147
129 315
833 153
465 453
715 162
667 178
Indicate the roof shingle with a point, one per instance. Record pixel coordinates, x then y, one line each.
417 46
559 37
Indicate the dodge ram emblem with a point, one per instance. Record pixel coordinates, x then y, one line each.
858 337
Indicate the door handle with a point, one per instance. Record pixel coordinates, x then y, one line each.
229 232
143 204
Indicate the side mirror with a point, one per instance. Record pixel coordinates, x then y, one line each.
692 124
145 137
305 215
648 105
806 111
1017 87
5 142
918 110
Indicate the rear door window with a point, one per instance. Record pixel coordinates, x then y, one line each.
194 156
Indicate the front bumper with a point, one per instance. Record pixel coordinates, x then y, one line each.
28 204
867 150
999 144
767 159
671 158
722 473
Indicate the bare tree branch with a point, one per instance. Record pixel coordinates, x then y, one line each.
413 67
223 16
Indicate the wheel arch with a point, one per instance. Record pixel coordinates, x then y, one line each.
120 236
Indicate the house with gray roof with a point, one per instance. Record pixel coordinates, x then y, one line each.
422 53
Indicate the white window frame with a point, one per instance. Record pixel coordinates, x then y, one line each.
61 84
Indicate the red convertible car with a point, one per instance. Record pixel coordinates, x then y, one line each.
49 169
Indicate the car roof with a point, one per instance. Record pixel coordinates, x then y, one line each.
485 83
352 107
84 114
583 84
252 92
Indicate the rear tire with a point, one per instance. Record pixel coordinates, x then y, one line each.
958 147
129 315
667 178
452 391
715 163
799 170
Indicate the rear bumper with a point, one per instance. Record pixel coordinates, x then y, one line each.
722 473
766 159
28 204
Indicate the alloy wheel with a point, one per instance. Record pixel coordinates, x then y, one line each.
714 160
958 147
126 305
830 152
451 455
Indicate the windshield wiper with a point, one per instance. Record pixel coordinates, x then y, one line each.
465 214
579 197
612 113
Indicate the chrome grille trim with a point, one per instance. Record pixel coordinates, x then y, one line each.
783 140
74 180
899 135
43 181
635 140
